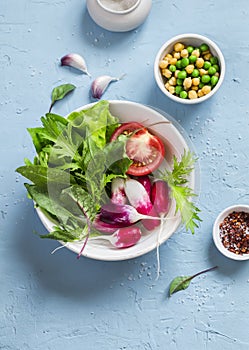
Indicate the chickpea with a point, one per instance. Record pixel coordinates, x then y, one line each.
184 53
196 53
187 83
195 81
168 55
178 47
163 64
200 93
207 56
172 81
167 86
189 69
195 88
199 62
192 94
172 90
176 73
206 89
203 72
167 73
172 61
177 55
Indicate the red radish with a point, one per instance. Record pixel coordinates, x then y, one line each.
145 181
123 215
118 193
160 197
153 223
138 196
123 237
105 227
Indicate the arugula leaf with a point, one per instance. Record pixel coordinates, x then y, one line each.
64 235
53 126
42 176
84 201
177 180
62 210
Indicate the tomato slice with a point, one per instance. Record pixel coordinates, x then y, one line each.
143 148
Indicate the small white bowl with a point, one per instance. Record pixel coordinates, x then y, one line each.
216 231
193 40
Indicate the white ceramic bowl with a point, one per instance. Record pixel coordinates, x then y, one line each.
216 231
193 40
175 142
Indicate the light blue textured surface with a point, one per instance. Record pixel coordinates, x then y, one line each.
50 302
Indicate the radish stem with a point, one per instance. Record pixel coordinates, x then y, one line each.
58 248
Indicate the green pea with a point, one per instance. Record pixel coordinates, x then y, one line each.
195 73
201 85
182 74
183 94
214 80
179 81
192 59
204 47
211 70
205 79
213 60
172 68
206 65
179 64
185 62
178 89
216 67
190 49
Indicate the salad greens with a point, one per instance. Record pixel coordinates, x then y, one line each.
74 165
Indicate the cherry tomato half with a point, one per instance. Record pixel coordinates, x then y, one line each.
143 148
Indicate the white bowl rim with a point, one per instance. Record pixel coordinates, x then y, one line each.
180 37
216 236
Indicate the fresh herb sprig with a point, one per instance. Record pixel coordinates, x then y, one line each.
177 180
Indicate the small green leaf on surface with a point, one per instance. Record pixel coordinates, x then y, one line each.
183 282
179 283
59 92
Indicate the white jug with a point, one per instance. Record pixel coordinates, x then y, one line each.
119 15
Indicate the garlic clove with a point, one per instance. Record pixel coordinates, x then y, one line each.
76 61
100 84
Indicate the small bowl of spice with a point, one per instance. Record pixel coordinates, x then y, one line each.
231 232
189 68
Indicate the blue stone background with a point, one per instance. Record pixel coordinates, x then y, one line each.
50 302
